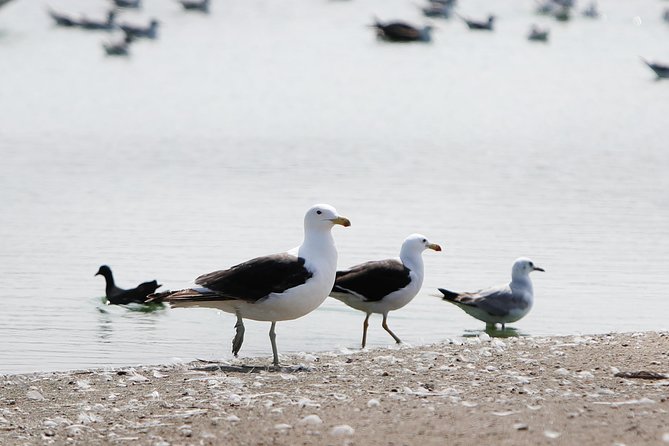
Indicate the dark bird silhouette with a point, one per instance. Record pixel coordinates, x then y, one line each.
62 19
119 296
107 25
562 13
195 5
120 48
591 11
135 4
480 26
661 70
402 32
537 34
149 32
438 9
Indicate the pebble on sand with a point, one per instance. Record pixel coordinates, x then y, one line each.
342 430
552 434
311 420
34 395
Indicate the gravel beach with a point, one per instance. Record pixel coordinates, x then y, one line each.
597 390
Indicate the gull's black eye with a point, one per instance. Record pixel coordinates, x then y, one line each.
319 212
531 265
424 240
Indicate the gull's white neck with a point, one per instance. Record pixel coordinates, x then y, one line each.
413 260
318 246
521 281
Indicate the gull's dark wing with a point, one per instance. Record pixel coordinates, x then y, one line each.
373 280
256 279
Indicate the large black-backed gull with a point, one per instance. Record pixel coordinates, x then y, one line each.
277 287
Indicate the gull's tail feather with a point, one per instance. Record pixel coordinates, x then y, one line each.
175 297
157 297
448 295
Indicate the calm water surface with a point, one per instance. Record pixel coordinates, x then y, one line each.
206 146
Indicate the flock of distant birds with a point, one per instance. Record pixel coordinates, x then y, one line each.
130 32
392 31
291 284
561 10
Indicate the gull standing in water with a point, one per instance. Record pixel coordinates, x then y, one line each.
500 304
382 286
277 287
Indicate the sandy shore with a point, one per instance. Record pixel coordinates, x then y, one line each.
516 391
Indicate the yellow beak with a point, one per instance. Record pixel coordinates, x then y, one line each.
341 221
434 246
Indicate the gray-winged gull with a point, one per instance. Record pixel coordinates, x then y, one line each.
500 304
